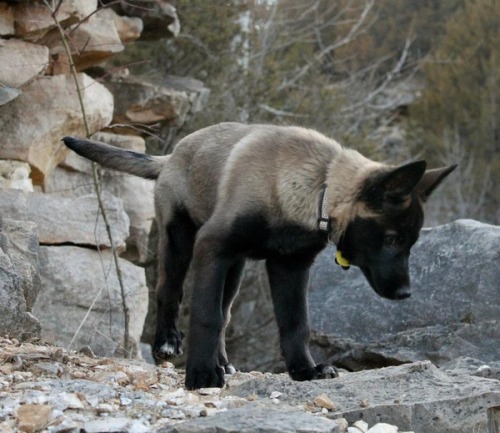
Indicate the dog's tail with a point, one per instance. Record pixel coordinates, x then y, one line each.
127 161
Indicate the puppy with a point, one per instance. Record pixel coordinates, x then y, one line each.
233 192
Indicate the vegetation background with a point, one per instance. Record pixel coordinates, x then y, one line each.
396 79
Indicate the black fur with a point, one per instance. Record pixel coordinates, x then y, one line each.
381 248
289 252
175 253
377 239
254 237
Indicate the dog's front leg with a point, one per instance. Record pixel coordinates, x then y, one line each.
206 323
289 279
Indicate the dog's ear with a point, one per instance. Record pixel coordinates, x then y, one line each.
401 181
390 189
431 179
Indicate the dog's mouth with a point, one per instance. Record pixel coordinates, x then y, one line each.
395 288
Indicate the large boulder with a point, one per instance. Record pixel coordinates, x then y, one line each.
159 17
82 223
80 303
33 124
15 68
19 278
454 309
129 28
91 42
147 103
73 178
16 175
417 397
33 20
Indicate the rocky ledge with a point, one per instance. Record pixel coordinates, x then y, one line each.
48 389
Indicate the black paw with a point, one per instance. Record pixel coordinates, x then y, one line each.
168 345
325 371
229 368
204 377
320 371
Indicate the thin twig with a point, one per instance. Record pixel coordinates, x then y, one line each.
97 185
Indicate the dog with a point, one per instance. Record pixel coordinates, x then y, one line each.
232 192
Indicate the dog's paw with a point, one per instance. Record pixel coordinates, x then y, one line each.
325 371
229 368
204 377
169 346
320 371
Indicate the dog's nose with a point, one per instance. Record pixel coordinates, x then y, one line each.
402 293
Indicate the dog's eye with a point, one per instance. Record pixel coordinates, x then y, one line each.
391 240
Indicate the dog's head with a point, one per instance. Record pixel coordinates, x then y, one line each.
379 241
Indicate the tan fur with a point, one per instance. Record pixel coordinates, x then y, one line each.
278 171
231 169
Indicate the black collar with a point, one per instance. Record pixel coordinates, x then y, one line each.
323 220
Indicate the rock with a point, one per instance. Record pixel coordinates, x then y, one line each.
197 93
48 109
15 175
34 20
33 417
21 62
476 367
80 303
114 424
361 426
414 396
159 17
383 428
6 20
453 311
82 223
101 394
19 278
91 41
129 28
141 102
137 193
325 402
260 419
8 94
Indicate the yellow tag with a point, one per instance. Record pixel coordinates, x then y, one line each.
341 260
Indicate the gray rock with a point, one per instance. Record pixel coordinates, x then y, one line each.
415 396
16 175
256 420
92 41
475 367
454 310
33 20
80 302
33 124
159 17
143 102
136 194
63 220
19 278
8 94
15 69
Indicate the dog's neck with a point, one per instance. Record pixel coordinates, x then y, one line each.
345 176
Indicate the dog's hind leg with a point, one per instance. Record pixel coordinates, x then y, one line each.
231 287
288 279
175 252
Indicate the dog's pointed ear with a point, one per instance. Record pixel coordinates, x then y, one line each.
431 179
391 188
402 180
